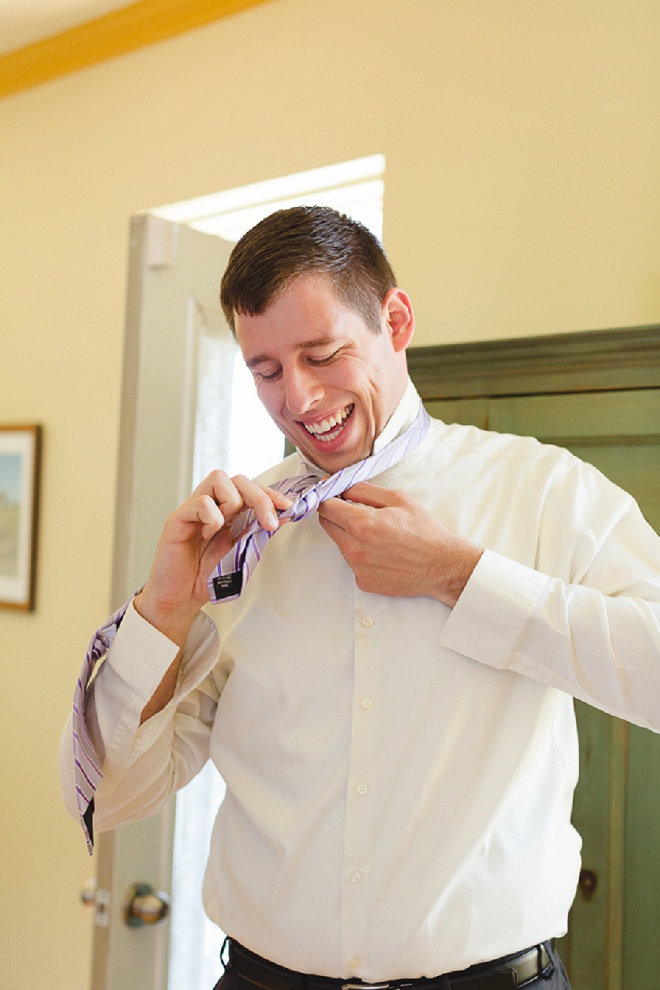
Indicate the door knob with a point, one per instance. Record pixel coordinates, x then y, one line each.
588 883
145 906
88 892
98 899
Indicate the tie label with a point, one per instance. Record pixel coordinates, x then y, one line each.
227 585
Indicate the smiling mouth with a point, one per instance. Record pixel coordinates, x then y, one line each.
330 428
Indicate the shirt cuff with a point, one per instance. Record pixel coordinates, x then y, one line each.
137 638
497 602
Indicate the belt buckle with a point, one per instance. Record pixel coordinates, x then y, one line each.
396 985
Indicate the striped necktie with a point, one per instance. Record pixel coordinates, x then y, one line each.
87 770
234 570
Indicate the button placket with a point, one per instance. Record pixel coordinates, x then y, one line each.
358 846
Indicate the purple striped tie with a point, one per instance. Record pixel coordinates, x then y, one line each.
234 570
87 770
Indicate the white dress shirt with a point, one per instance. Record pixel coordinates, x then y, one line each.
399 774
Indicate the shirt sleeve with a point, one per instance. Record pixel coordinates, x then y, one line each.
144 764
589 625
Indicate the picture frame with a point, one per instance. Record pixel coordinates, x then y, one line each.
20 464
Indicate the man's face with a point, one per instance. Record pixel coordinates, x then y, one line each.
327 380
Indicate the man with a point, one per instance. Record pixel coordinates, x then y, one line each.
389 698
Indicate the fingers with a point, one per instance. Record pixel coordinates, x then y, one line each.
342 519
364 493
335 513
354 505
184 524
263 501
194 539
230 496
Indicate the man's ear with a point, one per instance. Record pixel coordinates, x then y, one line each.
399 318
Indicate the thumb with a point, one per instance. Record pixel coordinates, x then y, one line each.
364 493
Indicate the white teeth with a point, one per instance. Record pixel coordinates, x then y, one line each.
316 429
328 436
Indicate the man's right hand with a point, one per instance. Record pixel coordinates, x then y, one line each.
194 539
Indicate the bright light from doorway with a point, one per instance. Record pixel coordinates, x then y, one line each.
355 187
253 443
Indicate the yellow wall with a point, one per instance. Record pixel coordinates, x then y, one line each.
523 156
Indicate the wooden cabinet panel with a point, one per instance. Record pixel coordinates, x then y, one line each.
599 395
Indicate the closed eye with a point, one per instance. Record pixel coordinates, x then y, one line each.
324 360
273 376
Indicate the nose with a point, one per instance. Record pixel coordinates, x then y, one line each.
302 389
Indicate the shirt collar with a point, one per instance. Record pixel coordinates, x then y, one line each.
400 420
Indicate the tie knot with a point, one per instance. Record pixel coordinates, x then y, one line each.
308 491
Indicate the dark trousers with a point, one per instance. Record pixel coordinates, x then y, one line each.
556 980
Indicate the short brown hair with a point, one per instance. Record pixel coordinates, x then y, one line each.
307 240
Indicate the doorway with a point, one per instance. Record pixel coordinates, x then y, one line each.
179 370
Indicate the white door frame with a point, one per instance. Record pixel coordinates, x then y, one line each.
153 476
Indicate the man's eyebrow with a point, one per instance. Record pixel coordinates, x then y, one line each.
305 345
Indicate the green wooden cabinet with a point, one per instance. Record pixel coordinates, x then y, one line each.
599 395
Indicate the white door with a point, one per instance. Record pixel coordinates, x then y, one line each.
174 278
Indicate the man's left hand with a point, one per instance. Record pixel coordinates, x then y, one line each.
396 547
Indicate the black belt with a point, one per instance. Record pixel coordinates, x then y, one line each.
501 974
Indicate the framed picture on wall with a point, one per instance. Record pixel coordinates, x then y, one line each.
20 455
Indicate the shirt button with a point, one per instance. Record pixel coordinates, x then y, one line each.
356 876
367 703
362 788
367 621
